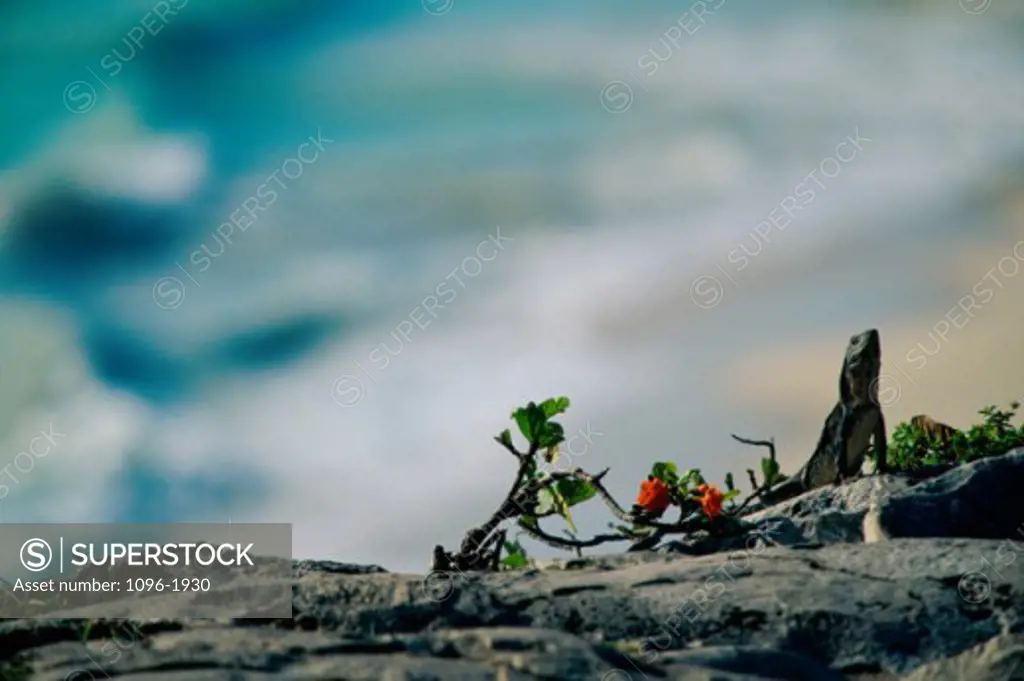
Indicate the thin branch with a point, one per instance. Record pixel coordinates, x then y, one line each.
500 541
505 510
570 535
510 447
560 543
628 532
652 540
770 444
746 502
690 525
758 490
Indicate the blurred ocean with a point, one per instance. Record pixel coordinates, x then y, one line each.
637 162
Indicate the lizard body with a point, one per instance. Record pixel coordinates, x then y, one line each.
854 421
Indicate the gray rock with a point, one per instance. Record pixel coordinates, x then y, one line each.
984 499
830 514
980 500
798 598
855 609
302 567
1001 659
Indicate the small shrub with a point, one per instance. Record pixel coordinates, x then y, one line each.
911 447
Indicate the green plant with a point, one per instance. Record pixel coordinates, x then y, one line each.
540 490
912 447
515 555
537 492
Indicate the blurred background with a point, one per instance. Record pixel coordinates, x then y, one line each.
298 261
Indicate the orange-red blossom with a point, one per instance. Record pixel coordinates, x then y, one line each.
711 499
654 495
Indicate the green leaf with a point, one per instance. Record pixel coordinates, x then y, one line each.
516 557
694 476
515 561
731 494
665 467
729 483
551 501
562 507
522 418
534 425
576 491
550 434
554 406
505 438
665 471
528 521
770 470
530 420
568 518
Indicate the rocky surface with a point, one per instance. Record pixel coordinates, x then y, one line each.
983 500
802 598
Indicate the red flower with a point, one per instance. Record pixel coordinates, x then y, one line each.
654 495
711 499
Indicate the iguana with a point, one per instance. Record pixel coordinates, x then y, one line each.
853 423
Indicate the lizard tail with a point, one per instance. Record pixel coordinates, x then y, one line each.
789 488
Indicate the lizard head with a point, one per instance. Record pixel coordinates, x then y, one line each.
863 362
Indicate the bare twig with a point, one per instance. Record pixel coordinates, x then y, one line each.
687 525
570 535
651 540
560 543
500 541
759 490
510 447
770 444
746 502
